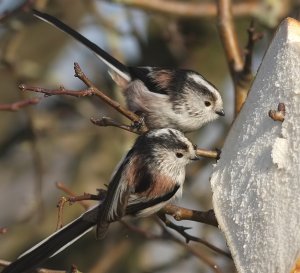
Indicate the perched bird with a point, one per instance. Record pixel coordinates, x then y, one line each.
148 177
168 98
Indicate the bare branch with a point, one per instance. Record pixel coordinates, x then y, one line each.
179 214
253 37
131 116
209 154
106 121
91 91
229 36
233 53
182 231
189 10
60 91
191 249
19 104
279 114
63 188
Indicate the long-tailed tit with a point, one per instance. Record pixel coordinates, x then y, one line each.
150 175
173 98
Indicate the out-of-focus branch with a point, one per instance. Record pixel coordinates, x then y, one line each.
189 10
106 121
240 70
208 153
231 47
182 231
18 105
253 37
191 249
229 36
3 230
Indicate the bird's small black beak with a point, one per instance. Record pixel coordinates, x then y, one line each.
220 113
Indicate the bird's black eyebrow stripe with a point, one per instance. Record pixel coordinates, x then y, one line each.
168 141
175 142
193 85
135 208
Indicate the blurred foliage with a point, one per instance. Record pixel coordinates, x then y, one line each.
83 156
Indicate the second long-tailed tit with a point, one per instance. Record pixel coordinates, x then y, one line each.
151 174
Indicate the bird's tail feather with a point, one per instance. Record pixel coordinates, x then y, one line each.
110 61
53 244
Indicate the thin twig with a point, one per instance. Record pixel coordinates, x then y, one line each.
130 115
229 36
182 231
191 9
233 53
61 186
60 205
206 217
191 249
19 104
208 153
90 91
106 121
253 37
60 91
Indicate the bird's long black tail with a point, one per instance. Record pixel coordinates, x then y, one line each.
110 61
55 243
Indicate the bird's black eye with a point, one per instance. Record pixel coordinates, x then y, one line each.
179 155
195 146
207 103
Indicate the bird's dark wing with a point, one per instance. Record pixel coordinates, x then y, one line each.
143 204
114 206
157 80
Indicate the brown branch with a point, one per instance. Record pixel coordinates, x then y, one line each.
91 91
208 154
179 214
191 249
253 37
279 114
233 53
189 10
60 91
106 121
229 36
3 230
130 115
60 205
19 104
182 231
